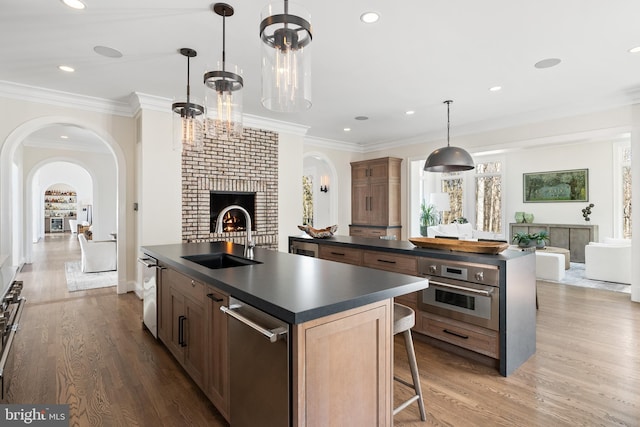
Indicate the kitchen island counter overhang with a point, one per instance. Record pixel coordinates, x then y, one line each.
293 288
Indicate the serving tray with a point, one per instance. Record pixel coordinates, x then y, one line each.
481 247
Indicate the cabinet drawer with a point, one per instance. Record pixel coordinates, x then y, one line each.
186 285
341 254
479 340
391 262
374 232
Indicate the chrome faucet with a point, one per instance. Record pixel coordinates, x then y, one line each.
248 244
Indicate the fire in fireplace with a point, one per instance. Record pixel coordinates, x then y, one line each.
234 220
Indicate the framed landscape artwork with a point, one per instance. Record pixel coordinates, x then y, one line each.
556 186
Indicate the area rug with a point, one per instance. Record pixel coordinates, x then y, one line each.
79 281
575 277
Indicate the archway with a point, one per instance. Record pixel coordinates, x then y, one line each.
324 174
15 237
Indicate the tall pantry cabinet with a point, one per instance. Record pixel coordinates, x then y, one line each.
375 198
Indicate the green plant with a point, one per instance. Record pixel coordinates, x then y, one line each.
461 220
542 236
524 239
428 215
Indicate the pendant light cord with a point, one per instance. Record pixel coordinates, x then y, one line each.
188 87
448 121
224 39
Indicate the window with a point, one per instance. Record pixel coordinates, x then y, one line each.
453 183
307 200
489 196
626 192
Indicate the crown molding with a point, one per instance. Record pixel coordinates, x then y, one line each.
334 144
41 95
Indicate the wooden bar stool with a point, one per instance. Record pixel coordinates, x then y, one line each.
403 320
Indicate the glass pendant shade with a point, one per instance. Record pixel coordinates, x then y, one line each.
223 91
223 101
286 34
188 126
449 159
188 117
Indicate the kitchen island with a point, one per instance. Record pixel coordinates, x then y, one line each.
499 326
339 317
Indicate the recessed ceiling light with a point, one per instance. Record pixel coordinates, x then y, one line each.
409 112
64 137
347 129
495 88
634 49
109 52
361 118
369 17
547 63
66 68
74 4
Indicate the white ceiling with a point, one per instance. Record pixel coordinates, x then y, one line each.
419 54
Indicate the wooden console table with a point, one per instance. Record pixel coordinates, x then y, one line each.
573 237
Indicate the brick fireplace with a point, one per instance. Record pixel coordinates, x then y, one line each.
245 165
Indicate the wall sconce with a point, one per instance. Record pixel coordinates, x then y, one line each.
324 184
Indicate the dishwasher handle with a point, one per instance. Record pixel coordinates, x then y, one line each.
273 335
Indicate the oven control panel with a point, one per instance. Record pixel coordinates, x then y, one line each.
464 271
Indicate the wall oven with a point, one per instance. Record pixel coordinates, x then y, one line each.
463 291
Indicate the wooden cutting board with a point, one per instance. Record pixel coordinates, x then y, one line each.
482 247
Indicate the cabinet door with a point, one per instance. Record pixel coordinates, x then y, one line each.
217 382
164 308
194 340
176 312
359 172
559 237
360 203
578 239
379 170
379 204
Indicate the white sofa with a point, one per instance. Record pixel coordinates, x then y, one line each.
609 260
97 255
461 231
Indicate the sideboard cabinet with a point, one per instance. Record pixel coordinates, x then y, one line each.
568 236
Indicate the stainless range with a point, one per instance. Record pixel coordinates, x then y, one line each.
463 291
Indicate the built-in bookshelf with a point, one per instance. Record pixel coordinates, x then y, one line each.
60 203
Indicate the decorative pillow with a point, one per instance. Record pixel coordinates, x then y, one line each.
448 230
465 231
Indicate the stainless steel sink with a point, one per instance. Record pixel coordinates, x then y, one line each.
220 260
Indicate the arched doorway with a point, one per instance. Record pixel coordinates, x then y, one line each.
322 180
16 195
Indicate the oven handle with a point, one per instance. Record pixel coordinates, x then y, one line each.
460 288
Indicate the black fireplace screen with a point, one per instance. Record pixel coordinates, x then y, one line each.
234 220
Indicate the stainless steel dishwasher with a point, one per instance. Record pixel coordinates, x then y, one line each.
259 359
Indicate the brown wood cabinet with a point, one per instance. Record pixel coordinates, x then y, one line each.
182 321
217 373
342 368
339 254
375 197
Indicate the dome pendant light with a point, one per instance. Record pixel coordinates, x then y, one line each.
286 33
449 159
223 91
188 122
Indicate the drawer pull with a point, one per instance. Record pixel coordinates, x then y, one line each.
446 331
386 261
337 253
215 298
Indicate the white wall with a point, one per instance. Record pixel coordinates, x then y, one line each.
101 167
54 173
290 150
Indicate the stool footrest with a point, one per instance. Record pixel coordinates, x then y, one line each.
405 404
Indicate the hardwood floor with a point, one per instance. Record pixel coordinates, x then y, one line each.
88 349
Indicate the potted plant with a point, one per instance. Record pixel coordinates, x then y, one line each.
428 217
525 240
542 238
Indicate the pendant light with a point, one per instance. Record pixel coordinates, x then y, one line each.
285 31
449 159
188 121
223 91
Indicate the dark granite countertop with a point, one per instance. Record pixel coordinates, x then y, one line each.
405 247
293 288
